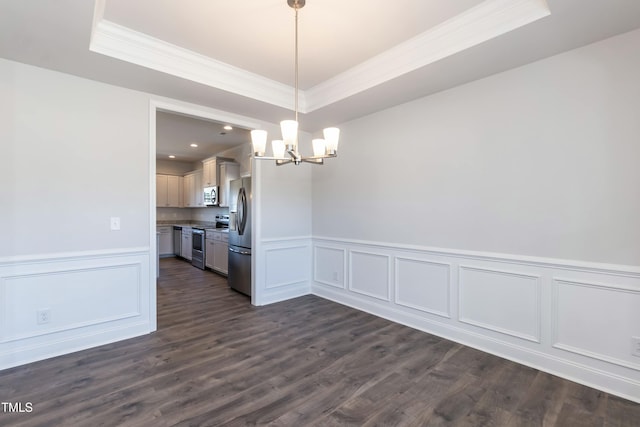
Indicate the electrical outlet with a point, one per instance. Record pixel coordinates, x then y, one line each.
43 316
635 346
335 276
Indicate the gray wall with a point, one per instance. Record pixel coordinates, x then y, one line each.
541 160
74 153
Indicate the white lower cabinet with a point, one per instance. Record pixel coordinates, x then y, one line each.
209 254
221 257
187 243
165 244
217 255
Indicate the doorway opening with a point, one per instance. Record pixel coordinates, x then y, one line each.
170 116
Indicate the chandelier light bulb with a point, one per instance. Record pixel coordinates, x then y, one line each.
331 136
259 140
290 134
319 147
277 145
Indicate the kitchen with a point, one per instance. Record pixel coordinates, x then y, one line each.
196 207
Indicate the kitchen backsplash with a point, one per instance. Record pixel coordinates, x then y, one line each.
182 214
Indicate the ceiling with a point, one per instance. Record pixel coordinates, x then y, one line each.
356 57
175 134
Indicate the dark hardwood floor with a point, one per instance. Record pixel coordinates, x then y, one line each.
216 360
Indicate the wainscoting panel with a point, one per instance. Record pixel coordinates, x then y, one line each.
99 295
62 303
329 266
581 326
369 274
500 301
572 319
284 265
423 285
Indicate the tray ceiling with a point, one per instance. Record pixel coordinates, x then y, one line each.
357 57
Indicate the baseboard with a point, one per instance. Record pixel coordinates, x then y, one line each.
290 292
22 354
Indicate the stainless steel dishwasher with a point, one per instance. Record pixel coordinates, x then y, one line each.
177 240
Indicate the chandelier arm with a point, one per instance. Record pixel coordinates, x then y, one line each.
313 160
280 162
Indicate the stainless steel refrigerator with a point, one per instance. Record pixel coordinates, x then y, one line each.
239 276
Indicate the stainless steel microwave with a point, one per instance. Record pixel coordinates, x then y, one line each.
211 196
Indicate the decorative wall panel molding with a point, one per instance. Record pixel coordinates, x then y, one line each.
285 267
500 301
334 262
56 304
581 323
577 326
73 299
369 274
423 285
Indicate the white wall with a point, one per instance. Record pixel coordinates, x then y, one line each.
541 160
284 223
502 214
75 153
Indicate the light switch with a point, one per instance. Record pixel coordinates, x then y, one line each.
115 223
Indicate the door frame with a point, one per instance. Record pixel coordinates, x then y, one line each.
172 106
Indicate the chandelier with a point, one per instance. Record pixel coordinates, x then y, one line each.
322 148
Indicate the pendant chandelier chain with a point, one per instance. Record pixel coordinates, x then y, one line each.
296 64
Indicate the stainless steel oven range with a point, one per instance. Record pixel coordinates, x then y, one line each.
197 253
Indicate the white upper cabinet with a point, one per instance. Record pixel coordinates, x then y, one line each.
198 189
210 171
168 191
189 200
193 190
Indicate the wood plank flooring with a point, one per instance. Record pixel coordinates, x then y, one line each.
217 361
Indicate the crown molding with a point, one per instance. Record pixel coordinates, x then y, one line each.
483 22
123 43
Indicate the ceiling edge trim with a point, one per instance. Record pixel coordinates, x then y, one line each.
483 22
117 41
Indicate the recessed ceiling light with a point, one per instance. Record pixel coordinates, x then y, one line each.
227 127
172 156
194 145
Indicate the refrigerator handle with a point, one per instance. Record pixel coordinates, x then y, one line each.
242 213
239 252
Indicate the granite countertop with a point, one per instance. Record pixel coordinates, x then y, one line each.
186 223
219 230
205 225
